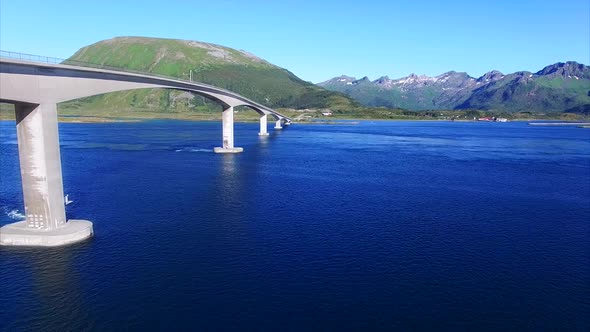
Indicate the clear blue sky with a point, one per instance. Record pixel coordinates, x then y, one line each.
318 40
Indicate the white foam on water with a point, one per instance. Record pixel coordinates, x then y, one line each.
15 215
193 150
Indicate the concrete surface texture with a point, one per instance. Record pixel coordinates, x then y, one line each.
40 165
19 234
263 125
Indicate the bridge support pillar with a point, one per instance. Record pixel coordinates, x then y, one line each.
227 119
40 166
278 124
263 125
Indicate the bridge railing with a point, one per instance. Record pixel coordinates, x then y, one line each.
59 61
29 57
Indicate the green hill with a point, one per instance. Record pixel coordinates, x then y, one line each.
217 65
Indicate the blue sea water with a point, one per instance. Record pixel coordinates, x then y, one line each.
353 226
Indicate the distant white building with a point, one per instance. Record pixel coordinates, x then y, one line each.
326 113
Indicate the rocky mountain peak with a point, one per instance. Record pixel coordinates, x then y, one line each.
340 80
568 69
454 79
382 80
491 76
344 78
413 79
365 79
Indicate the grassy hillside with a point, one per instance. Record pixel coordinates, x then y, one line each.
221 66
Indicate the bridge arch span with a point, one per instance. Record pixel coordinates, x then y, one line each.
42 83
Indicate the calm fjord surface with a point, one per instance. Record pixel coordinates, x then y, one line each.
377 225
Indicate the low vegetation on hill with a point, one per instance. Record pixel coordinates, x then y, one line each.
217 65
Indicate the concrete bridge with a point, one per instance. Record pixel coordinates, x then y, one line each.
35 88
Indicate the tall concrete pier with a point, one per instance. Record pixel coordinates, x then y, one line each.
227 123
40 163
278 124
263 125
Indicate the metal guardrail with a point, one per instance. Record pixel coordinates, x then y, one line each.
29 57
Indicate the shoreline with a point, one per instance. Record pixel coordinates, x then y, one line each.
321 121
337 122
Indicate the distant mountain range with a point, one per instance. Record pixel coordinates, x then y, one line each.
556 88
